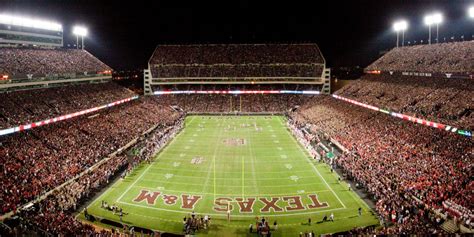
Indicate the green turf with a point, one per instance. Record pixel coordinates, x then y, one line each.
270 163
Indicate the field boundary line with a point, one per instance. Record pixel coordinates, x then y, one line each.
312 165
149 166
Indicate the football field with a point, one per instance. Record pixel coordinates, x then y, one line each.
251 165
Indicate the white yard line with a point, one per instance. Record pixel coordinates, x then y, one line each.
252 162
206 182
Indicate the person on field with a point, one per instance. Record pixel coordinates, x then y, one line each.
331 217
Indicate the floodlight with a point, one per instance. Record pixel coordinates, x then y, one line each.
429 20
400 26
437 18
471 12
80 31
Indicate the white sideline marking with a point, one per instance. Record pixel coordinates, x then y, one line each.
147 168
133 184
317 171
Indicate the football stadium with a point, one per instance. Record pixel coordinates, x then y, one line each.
234 139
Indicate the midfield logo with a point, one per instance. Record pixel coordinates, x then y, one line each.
244 205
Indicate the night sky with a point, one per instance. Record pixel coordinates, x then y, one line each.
350 32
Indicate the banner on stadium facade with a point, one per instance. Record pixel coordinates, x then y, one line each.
409 118
63 117
237 92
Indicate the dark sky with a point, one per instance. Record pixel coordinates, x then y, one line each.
350 32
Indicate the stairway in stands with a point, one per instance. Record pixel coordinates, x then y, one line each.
449 226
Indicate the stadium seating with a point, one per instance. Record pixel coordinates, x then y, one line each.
24 107
457 57
72 146
395 160
442 100
247 60
409 169
17 62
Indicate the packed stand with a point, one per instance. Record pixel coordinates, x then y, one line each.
457 57
54 215
227 103
17 62
24 107
408 168
230 61
72 145
443 100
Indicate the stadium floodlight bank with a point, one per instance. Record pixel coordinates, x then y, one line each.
214 64
19 30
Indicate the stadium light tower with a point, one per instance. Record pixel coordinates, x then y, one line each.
435 18
400 26
79 31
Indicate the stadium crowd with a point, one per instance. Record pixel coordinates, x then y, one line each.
24 107
457 57
237 54
441 100
410 169
73 146
22 61
247 60
54 214
222 103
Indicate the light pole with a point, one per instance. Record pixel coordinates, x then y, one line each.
79 31
435 18
429 22
400 26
